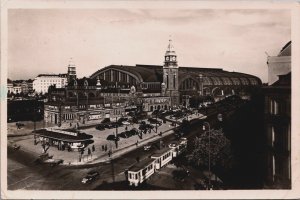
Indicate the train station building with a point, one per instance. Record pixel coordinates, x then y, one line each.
114 90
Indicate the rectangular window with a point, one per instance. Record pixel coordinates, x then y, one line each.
174 78
276 106
273 163
273 136
271 106
167 81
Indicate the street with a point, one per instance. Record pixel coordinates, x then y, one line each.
23 173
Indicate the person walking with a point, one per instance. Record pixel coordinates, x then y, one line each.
93 148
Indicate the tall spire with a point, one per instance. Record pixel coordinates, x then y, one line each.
170 49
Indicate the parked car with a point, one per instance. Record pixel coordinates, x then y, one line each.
46 159
123 135
20 124
122 119
100 127
91 176
155 121
125 123
16 147
147 147
112 137
134 131
106 120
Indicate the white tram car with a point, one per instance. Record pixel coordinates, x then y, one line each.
141 171
162 157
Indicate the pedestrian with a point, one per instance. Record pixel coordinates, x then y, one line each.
109 153
70 124
93 148
116 143
102 147
137 143
105 148
89 152
137 159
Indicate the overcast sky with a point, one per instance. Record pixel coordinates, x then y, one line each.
43 41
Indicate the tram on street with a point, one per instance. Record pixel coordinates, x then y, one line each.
141 171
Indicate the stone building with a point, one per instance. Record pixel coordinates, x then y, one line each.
278 120
116 89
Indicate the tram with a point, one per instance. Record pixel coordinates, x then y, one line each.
141 171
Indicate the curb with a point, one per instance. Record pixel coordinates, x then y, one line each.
101 160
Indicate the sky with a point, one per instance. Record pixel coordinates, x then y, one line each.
44 40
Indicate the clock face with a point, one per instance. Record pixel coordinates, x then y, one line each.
173 58
167 58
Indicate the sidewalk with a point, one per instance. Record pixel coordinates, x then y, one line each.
117 153
100 138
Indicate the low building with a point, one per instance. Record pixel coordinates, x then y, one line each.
43 81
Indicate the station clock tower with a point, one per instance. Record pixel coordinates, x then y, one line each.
170 75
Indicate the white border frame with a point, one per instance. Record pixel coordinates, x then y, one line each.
225 194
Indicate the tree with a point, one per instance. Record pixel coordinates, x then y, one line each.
45 146
219 149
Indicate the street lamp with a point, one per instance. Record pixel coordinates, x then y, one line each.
209 175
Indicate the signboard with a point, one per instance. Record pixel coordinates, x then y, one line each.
94 117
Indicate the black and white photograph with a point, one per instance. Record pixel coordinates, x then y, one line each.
148 97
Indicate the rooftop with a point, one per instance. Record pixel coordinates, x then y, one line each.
142 164
161 152
64 137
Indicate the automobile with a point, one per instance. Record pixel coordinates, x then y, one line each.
154 121
20 124
110 126
147 147
106 120
112 137
91 176
46 159
115 124
100 127
134 131
173 124
127 134
16 147
125 123
123 135
122 119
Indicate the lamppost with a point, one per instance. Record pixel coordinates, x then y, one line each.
156 123
209 175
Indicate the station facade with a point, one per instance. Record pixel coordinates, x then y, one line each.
114 90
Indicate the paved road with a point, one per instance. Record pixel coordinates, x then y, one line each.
23 173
